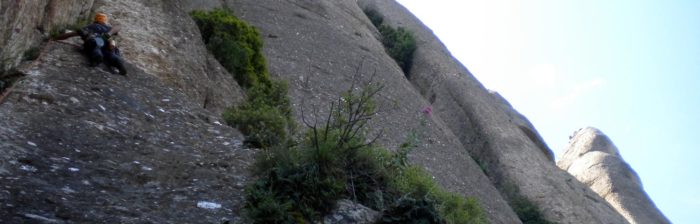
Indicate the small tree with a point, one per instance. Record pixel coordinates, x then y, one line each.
399 43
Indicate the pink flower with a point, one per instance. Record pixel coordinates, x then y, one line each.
428 110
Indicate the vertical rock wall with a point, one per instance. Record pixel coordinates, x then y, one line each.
24 24
322 47
161 38
492 131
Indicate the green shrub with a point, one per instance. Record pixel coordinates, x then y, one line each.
374 17
414 182
31 54
526 210
411 210
235 44
269 209
59 29
264 125
266 116
457 209
334 161
399 43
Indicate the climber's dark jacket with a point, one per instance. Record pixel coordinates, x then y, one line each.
95 44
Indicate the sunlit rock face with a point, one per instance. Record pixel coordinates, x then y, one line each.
80 144
594 160
323 48
496 135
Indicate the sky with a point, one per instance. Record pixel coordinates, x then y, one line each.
630 68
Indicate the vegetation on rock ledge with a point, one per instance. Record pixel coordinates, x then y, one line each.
301 183
265 118
399 43
526 210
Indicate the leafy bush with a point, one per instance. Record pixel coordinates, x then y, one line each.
301 183
264 125
526 210
59 29
266 117
399 43
457 209
414 182
31 54
410 210
374 17
235 44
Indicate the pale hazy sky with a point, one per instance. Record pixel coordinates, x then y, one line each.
628 67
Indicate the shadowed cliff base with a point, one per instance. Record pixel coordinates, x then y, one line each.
84 145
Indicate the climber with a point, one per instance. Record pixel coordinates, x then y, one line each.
98 43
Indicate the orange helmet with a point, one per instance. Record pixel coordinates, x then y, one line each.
101 18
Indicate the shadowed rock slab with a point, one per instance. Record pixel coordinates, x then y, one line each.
23 25
594 160
82 145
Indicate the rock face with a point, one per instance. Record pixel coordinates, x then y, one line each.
594 160
80 145
494 133
24 24
322 47
160 38
348 212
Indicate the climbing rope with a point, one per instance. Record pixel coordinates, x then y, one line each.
34 63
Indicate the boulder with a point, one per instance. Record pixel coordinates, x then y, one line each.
595 161
349 212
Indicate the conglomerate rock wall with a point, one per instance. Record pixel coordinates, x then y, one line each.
94 146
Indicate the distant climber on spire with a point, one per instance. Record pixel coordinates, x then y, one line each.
98 43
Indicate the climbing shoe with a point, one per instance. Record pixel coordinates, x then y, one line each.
119 64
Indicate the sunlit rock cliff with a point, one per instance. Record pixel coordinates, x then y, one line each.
595 161
81 145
